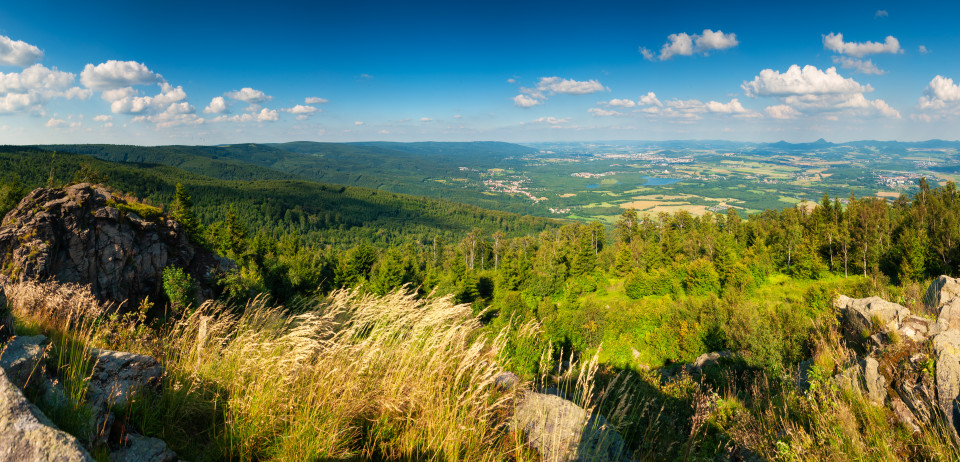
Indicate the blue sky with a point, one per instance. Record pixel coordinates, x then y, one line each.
178 72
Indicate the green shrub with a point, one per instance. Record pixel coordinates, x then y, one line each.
179 286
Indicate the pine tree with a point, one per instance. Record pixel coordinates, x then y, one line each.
182 210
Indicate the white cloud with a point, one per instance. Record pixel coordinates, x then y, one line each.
796 81
56 123
551 120
647 54
881 14
940 93
315 100
548 86
167 97
248 95
732 107
683 44
217 105
813 90
835 43
782 111
30 89
650 99
457 116
568 86
117 74
711 40
301 110
358 123
923 50
20 102
265 115
18 53
598 112
117 94
103 118
511 80
677 44
863 66
36 78
621 103
426 120
525 101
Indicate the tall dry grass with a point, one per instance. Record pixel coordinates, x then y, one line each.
352 375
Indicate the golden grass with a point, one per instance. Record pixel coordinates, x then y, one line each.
352 375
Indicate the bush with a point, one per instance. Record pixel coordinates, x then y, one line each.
180 287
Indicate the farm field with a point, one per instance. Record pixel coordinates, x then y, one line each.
598 181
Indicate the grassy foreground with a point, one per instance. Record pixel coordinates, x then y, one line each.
397 377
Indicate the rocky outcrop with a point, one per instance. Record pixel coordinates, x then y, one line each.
116 377
941 290
23 359
139 448
861 315
561 431
90 235
27 435
898 369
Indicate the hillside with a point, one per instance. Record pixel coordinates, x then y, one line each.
421 169
266 199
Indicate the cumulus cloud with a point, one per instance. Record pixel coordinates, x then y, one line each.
782 111
881 14
117 74
426 120
18 53
683 44
835 43
806 81
677 44
548 86
315 100
650 99
863 66
248 95
106 120
621 103
358 123
731 107
923 49
301 110
940 93
217 105
265 115
117 94
525 101
30 89
568 86
813 90
56 123
551 120
598 112
168 96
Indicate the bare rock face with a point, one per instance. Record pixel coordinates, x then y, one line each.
139 448
116 377
860 314
561 431
27 435
942 290
23 359
947 348
89 235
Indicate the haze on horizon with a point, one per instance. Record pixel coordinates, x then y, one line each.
134 73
